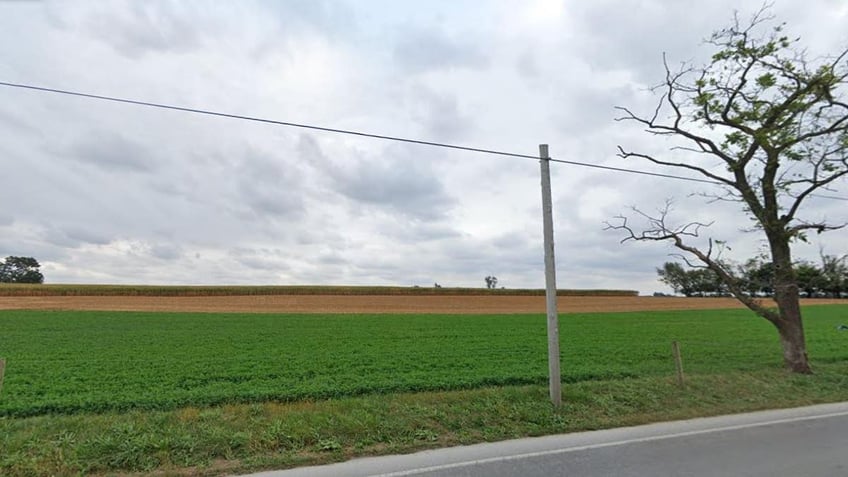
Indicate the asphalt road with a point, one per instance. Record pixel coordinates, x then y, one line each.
809 442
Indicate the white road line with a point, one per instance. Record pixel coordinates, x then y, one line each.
637 440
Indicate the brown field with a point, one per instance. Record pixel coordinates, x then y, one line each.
370 304
60 289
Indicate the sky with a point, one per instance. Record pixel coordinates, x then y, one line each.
102 192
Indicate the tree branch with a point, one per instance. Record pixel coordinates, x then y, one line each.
625 155
658 230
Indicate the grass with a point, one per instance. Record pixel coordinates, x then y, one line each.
98 393
62 362
169 290
228 439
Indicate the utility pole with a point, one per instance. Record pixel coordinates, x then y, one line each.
550 279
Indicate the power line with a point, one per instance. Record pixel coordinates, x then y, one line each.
268 121
341 131
362 134
635 171
832 197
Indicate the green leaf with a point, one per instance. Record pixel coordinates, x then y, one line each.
766 81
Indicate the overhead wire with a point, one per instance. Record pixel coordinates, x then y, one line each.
267 121
634 171
362 134
832 197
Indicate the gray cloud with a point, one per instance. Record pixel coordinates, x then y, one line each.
138 28
113 152
14 121
403 186
89 236
166 251
634 39
413 230
592 109
501 255
328 17
265 259
527 65
440 115
397 180
59 237
331 258
419 50
268 186
23 240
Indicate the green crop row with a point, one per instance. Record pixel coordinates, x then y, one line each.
169 290
68 362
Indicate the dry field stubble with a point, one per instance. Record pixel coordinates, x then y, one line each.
370 303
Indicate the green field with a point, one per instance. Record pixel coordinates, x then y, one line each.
71 362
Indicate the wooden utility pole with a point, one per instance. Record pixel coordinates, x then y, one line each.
550 279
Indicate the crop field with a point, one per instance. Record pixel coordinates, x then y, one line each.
65 362
21 289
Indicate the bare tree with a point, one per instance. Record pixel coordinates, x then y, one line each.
768 124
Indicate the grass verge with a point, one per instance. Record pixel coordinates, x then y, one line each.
250 437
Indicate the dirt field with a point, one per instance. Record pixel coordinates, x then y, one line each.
370 304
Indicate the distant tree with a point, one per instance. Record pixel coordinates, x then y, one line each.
20 270
436 285
698 281
709 282
810 278
674 275
834 271
757 277
491 282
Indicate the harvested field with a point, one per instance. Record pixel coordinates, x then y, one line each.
371 304
53 289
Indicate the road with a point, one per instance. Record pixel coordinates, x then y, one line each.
810 441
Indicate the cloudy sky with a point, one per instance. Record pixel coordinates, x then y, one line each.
111 193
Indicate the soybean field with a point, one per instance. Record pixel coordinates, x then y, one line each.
66 362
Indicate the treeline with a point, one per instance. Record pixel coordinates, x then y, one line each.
829 279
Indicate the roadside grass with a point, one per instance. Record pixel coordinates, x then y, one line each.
228 439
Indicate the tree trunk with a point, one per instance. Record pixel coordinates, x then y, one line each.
794 344
789 323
